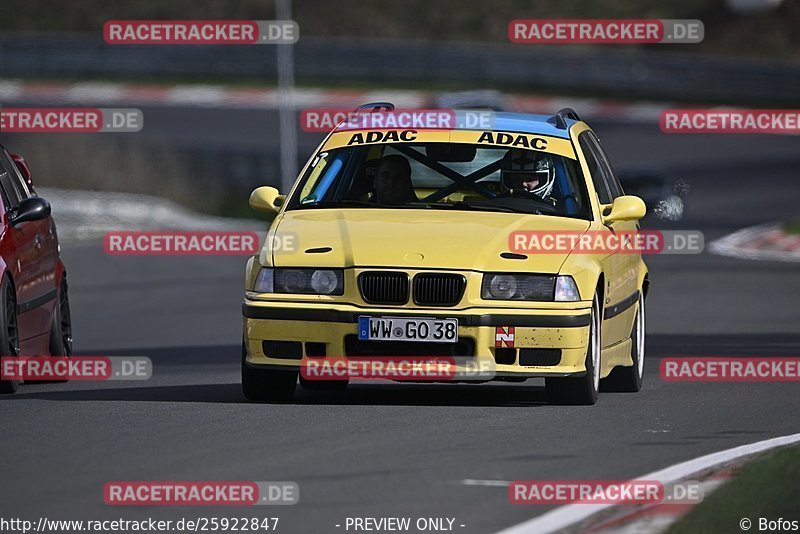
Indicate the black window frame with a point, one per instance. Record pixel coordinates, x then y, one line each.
615 187
596 168
15 181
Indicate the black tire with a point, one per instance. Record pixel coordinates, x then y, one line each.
61 327
267 385
9 332
629 379
582 390
323 385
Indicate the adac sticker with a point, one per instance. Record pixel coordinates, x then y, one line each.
388 136
479 138
504 336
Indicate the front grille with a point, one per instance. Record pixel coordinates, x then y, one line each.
285 350
505 356
356 347
383 287
316 350
438 289
539 356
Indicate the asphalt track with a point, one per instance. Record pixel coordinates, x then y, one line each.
403 450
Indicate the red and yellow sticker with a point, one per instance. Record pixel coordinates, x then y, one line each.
504 336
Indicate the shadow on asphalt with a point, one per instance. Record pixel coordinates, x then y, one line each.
357 394
224 361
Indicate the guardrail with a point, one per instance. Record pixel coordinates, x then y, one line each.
601 71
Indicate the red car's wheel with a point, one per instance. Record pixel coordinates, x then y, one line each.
61 328
9 332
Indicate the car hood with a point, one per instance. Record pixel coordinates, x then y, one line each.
413 239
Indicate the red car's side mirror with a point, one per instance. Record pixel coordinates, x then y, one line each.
22 165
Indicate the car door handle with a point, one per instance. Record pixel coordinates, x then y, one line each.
38 239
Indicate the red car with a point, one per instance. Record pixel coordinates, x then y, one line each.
34 306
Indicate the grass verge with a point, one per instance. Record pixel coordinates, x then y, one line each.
792 227
767 488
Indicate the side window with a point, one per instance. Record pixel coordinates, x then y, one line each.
608 170
5 185
599 174
14 188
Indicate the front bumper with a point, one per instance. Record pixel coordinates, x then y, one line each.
562 331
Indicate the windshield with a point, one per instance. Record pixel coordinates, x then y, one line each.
443 176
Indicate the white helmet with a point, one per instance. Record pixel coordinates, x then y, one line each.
525 171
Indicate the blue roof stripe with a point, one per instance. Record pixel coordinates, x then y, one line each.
530 123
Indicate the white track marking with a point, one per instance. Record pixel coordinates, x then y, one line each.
479 482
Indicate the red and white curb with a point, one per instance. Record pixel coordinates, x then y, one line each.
89 215
654 518
583 517
220 96
763 242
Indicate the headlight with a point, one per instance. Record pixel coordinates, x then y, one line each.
503 286
302 281
265 281
324 282
566 289
509 286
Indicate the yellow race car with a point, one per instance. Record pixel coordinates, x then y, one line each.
451 242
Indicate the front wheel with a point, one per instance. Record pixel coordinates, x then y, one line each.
583 389
9 333
266 385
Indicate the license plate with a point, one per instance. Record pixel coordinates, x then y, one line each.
407 329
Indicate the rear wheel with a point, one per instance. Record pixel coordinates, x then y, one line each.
583 389
629 379
9 331
266 385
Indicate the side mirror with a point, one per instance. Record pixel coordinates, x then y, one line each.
31 209
22 165
626 208
266 199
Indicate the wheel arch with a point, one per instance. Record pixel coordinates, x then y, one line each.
601 288
644 280
6 272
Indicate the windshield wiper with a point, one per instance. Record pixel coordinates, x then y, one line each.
460 205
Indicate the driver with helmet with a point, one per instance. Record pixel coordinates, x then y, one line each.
528 173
